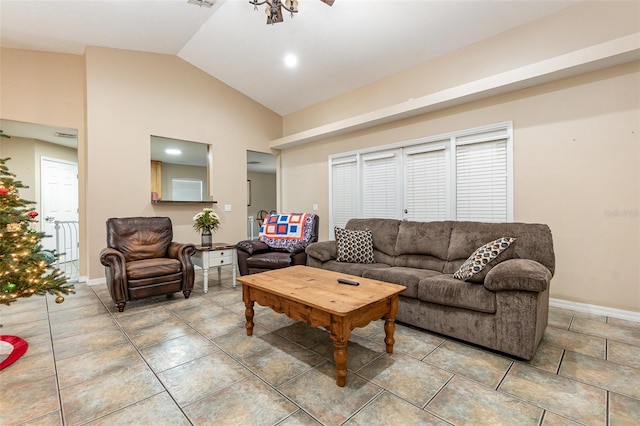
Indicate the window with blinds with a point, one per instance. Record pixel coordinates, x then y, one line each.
380 182
425 183
481 181
466 175
344 191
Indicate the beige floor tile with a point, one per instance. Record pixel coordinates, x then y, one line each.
50 419
630 335
577 401
395 411
103 395
198 378
75 327
623 353
221 324
577 342
317 393
577 314
481 366
9 317
372 329
247 402
360 351
623 322
463 401
604 374
110 360
89 342
226 297
300 418
84 311
623 410
547 357
552 419
29 400
559 319
159 410
26 330
413 380
239 345
303 334
171 353
271 319
39 344
282 361
199 313
416 343
27 369
134 319
154 334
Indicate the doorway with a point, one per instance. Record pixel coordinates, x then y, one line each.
261 189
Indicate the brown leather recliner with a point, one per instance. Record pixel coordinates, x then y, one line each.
142 260
256 256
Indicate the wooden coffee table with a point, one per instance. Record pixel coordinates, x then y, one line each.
314 296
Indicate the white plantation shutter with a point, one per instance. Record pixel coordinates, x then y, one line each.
344 191
425 184
381 181
481 181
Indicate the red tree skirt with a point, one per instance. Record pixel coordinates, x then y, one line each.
19 345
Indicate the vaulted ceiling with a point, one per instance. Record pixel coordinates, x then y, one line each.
339 48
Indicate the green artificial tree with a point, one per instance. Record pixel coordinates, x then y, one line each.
25 267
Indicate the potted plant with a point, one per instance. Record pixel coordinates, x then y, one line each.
205 222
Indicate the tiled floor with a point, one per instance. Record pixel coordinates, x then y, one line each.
175 361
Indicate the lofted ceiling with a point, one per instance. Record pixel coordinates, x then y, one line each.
339 48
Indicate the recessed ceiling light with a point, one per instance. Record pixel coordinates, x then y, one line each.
173 151
291 60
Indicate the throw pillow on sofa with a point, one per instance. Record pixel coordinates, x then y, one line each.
354 246
482 257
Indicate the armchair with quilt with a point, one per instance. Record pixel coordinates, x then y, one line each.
142 260
282 242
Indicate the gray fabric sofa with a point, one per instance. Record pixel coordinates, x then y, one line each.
504 307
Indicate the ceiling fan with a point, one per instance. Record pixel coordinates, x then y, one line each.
274 8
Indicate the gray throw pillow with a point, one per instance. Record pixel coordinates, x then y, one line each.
354 246
482 257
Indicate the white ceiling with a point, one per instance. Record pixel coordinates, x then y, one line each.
339 48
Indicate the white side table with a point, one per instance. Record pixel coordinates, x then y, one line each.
219 255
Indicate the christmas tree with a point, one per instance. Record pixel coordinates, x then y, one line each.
25 267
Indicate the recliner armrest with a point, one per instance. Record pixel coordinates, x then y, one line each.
112 258
518 274
181 250
252 246
323 251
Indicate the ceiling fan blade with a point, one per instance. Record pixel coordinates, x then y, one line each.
329 2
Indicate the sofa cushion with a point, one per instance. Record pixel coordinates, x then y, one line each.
352 268
354 246
480 258
269 260
384 231
408 277
446 290
424 238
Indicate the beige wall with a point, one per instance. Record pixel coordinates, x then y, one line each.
132 95
263 195
179 171
577 162
577 27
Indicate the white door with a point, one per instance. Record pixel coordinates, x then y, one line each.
59 202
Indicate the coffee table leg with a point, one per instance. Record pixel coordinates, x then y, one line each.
248 311
390 324
340 337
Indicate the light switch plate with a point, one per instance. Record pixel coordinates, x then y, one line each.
227 207
315 207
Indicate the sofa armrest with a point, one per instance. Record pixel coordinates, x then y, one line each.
518 274
323 251
252 246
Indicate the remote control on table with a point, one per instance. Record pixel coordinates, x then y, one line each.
346 281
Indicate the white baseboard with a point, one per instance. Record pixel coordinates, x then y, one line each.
595 309
97 281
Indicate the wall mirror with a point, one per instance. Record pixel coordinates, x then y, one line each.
180 170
